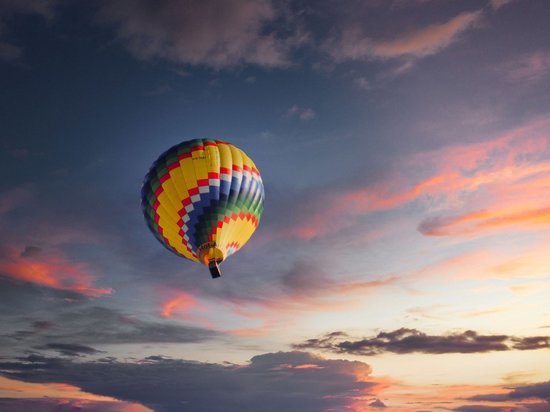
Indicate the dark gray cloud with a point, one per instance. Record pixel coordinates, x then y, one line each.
71 332
42 324
100 325
377 404
406 340
533 342
57 405
271 382
539 390
478 408
31 251
70 349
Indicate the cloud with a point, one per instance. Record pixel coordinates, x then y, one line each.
8 9
496 184
304 286
42 324
31 251
9 52
256 309
303 113
377 404
51 270
351 44
212 33
182 301
99 325
67 405
270 382
14 198
497 4
76 331
482 220
478 408
362 83
539 390
58 397
69 349
406 340
528 68
305 279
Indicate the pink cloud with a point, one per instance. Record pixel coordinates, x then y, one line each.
305 289
530 261
428 40
479 221
351 44
492 185
497 4
528 68
13 199
51 269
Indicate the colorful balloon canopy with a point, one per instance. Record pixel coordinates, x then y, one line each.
203 199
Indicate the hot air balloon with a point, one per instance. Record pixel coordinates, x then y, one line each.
203 200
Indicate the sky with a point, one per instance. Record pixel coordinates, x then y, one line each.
401 262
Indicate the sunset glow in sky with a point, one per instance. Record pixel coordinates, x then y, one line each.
403 257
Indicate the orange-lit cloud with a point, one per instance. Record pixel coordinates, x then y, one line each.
63 394
495 184
405 397
483 220
258 316
530 261
50 269
301 295
183 305
181 302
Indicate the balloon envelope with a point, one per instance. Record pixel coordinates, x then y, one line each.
203 200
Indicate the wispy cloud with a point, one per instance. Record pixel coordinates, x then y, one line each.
305 287
51 270
497 4
80 330
302 113
477 221
13 198
69 349
362 83
529 68
514 168
181 302
351 44
8 9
